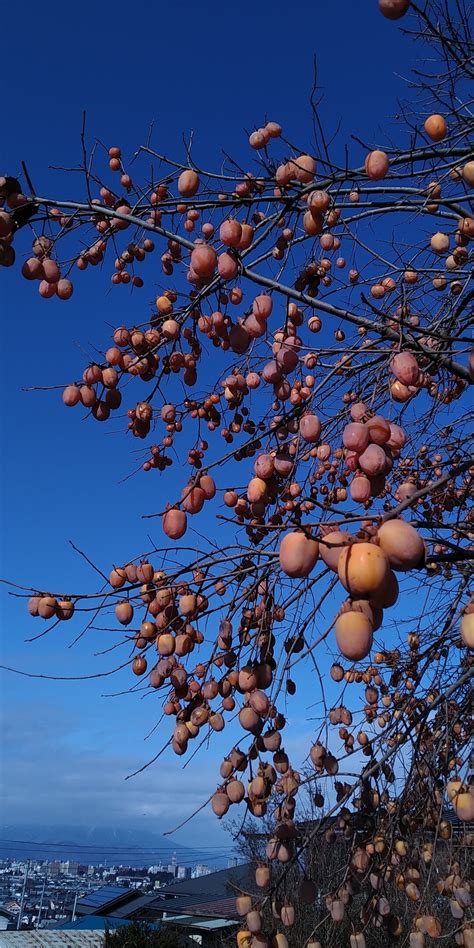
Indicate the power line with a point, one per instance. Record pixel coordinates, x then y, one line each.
107 848
136 857
137 863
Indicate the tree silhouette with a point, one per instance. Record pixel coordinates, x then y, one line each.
140 935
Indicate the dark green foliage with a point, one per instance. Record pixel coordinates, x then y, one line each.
140 935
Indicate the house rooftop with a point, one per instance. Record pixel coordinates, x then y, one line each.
221 883
104 895
106 900
51 939
210 896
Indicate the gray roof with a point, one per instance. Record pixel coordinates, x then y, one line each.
207 896
210 907
129 909
219 884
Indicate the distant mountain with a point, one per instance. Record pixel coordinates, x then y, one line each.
135 846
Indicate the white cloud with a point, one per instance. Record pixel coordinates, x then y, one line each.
50 776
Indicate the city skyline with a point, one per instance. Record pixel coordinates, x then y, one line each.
44 893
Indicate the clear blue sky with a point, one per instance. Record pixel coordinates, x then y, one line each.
217 69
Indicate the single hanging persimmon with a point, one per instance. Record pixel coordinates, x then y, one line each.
188 183
262 306
330 550
174 523
227 266
372 461
65 609
405 368
461 797
310 428
303 168
273 129
467 627
379 430
203 260
64 289
354 635
220 803
33 604
363 569
360 488
355 436
207 484
376 165
47 606
440 242
468 173
230 233
298 554
393 9
435 127
124 612
244 939
259 139
192 499
402 544
71 395
400 392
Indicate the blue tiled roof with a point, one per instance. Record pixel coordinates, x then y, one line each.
104 895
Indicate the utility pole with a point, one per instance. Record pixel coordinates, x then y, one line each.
20 913
73 919
41 902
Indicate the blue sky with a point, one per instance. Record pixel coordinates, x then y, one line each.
217 70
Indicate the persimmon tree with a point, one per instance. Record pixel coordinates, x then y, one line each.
326 858
305 368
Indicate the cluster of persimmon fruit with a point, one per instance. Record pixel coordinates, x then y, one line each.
278 401
365 565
